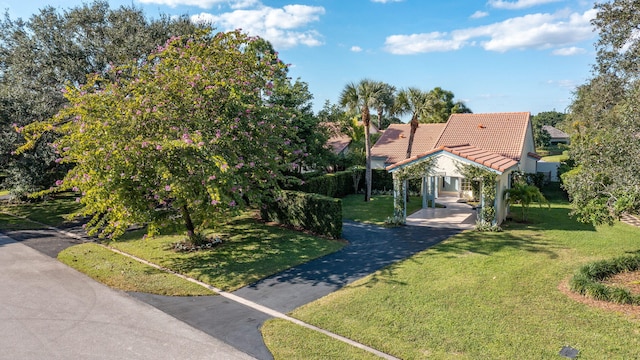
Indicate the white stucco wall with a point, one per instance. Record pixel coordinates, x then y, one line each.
501 207
445 165
527 163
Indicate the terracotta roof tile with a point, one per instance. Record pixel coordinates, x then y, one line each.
500 133
491 160
393 142
555 133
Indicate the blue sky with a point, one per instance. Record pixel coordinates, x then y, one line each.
495 55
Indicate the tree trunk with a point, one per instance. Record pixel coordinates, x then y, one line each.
380 118
191 231
366 120
414 127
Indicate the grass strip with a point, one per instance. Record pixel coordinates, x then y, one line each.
120 272
286 340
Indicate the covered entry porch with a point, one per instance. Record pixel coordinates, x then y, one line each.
448 163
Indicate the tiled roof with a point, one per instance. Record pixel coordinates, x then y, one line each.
555 133
393 142
337 140
338 143
498 133
472 153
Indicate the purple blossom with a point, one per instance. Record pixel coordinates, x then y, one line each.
252 164
75 189
232 203
214 202
158 147
212 177
167 188
59 182
239 165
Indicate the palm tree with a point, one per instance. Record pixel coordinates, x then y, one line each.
415 102
524 194
360 97
385 101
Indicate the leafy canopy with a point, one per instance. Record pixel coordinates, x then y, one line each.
189 134
39 55
606 123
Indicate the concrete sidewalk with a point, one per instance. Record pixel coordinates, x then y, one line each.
50 311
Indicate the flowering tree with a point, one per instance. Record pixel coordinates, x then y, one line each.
188 135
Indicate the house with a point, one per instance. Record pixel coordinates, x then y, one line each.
337 142
391 147
557 136
497 142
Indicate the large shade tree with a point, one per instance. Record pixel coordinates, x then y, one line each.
361 97
605 121
188 135
52 48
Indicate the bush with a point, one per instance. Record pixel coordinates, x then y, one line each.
587 281
319 214
338 184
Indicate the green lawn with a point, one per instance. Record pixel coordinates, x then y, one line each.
479 296
4 192
126 274
556 158
51 212
251 251
377 210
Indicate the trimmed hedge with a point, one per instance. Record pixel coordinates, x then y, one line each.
338 184
319 214
588 280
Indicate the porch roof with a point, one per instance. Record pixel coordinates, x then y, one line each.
479 156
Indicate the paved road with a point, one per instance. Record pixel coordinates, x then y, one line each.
50 311
370 248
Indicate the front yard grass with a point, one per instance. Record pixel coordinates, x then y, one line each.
51 212
377 210
481 296
120 272
251 251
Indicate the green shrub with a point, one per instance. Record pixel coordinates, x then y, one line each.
588 280
319 214
338 184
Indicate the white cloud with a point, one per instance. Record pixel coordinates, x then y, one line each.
535 31
421 43
569 51
204 4
356 48
479 14
281 26
519 4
